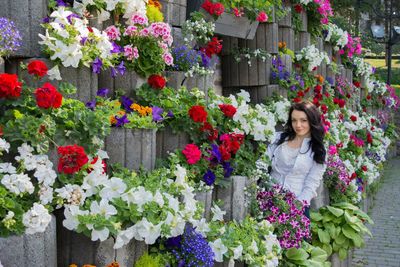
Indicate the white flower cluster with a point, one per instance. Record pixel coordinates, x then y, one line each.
257 121
68 39
113 188
36 219
313 57
197 69
281 110
336 36
199 31
362 68
129 7
305 2
19 183
360 123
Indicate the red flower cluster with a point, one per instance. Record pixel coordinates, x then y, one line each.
9 86
353 118
192 153
213 47
198 114
156 81
298 8
227 109
48 97
230 144
72 158
214 9
262 17
37 68
212 133
369 138
340 102
357 84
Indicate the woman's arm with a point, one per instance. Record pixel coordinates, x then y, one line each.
312 182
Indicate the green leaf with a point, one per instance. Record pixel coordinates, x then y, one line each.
316 216
335 211
324 236
296 254
342 254
318 254
349 232
340 239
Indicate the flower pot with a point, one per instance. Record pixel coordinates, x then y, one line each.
132 148
70 246
286 21
336 262
322 198
126 83
169 141
233 197
82 78
287 35
27 16
206 199
35 250
301 40
2 70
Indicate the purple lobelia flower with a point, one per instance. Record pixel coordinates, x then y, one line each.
46 19
157 113
174 242
170 114
121 121
96 65
209 177
126 103
103 92
227 169
10 37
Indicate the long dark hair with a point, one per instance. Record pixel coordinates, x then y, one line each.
316 129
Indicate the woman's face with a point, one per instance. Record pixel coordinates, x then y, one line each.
300 123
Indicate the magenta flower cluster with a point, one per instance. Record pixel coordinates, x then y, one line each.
286 213
336 168
325 9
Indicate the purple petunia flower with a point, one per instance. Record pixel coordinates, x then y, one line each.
113 72
96 65
83 40
121 121
173 242
170 114
209 177
330 80
157 113
216 153
227 169
91 104
121 68
126 103
70 17
61 3
103 92
46 19
116 48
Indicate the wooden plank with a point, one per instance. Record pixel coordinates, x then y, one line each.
287 35
286 21
272 38
253 68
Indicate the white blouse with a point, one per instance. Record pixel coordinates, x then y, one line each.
297 173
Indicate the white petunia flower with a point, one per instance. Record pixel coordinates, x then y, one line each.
218 214
148 231
138 196
113 188
125 236
103 208
36 219
4 145
7 168
219 250
71 214
180 174
54 73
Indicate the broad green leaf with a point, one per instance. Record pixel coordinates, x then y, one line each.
296 254
318 254
340 239
335 211
323 236
349 232
316 217
342 254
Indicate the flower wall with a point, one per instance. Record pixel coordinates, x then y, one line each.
80 132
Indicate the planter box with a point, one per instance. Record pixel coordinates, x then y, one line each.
301 40
226 264
228 24
233 197
82 78
35 250
27 15
174 11
304 21
287 35
258 94
336 262
168 141
126 83
132 148
286 21
79 249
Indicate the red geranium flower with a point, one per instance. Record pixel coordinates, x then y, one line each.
48 97
10 87
37 68
369 138
262 17
224 152
198 114
214 9
212 133
72 158
298 8
324 108
297 100
357 84
192 153
227 109
213 47
353 118
364 168
156 81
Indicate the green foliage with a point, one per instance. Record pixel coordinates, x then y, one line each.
307 255
147 260
339 228
253 7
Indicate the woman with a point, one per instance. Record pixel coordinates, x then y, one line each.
298 153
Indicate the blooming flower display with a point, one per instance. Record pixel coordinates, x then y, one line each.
10 37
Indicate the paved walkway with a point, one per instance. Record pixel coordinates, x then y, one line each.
383 249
